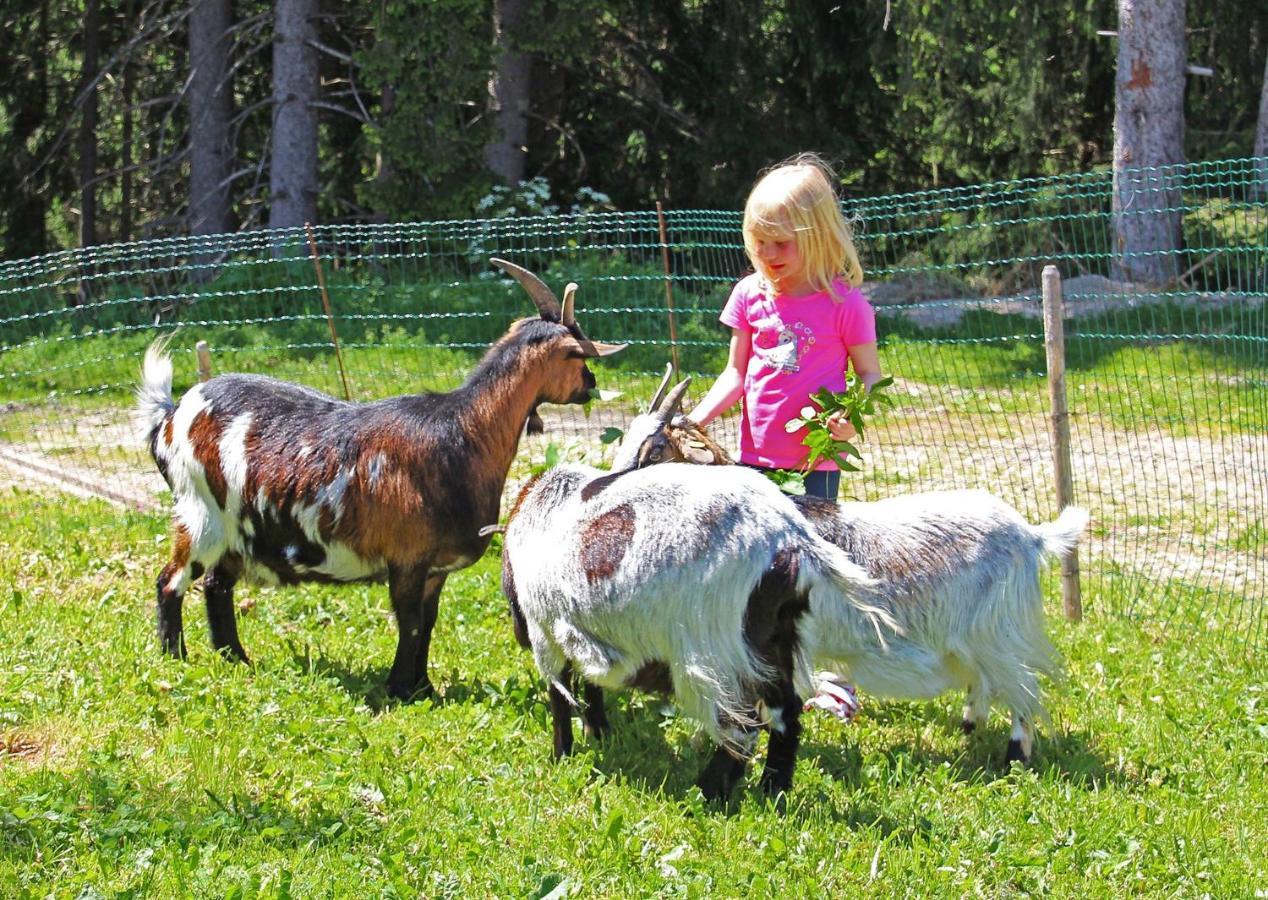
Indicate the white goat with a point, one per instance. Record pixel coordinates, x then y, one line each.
281 484
958 571
690 581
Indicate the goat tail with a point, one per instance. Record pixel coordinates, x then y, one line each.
154 394
852 593
1060 536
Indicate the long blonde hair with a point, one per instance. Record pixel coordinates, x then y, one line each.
796 199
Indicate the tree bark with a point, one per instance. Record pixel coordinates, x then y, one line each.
1261 138
210 101
293 165
510 90
88 127
1148 137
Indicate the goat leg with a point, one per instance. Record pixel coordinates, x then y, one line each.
784 724
218 594
172 583
561 717
721 775
414 621
594 717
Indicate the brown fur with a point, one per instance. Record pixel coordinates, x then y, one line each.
205 432
604 542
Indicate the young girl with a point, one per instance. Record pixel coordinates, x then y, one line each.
796 323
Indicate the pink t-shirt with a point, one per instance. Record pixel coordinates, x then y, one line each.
798 346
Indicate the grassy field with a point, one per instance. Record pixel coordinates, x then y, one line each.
126 774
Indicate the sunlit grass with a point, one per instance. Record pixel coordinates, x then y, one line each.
124 773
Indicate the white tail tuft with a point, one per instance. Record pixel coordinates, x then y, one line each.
154 393
1059 537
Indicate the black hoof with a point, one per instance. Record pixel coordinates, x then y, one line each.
968 726
406 693
1015 754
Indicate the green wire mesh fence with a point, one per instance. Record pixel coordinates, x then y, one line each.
1167 385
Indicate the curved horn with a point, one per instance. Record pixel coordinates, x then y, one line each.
569 318
544 297
660 391
674 400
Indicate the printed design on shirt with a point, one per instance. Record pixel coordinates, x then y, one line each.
781 346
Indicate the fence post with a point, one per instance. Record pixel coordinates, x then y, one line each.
325 302
203 353
669 287
1054 342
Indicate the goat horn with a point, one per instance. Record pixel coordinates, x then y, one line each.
674 400
544 297
598 348
660 391
569 318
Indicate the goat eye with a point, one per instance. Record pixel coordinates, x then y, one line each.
654 454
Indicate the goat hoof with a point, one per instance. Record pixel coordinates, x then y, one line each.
1015 754
968 726
405 693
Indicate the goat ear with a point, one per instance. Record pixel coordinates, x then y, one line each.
660 390
544 298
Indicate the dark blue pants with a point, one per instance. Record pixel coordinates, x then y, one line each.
825 484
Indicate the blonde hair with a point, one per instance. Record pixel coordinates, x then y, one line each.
796 199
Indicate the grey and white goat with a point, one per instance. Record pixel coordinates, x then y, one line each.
694 582
958 571
281 484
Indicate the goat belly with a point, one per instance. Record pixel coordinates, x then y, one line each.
277 550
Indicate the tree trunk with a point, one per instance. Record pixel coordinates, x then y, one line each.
510 89
125 141
1148 137
1261 139
88 127
293 165
210 101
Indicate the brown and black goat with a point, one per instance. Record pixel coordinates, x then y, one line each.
281 484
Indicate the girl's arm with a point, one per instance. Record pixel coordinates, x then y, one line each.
866 363
729 384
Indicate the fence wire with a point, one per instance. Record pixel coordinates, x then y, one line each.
1168 386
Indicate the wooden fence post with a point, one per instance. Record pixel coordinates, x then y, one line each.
1054 342
203 353
669 288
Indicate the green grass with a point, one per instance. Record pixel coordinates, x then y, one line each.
128 774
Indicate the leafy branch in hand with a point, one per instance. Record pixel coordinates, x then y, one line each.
856 404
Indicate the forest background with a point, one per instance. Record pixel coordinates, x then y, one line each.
130 119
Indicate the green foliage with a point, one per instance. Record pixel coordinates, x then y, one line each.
856 404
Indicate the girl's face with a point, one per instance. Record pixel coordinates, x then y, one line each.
780 261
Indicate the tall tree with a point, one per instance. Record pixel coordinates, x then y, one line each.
1261 137
293 162
210 102
1148 137
511 91
88 125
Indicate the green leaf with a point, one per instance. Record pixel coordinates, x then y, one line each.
611 435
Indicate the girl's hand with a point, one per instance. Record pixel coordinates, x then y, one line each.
840 428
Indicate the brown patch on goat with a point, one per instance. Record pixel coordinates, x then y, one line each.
653 677
167 431
604 542
523 495
205 432
182 544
